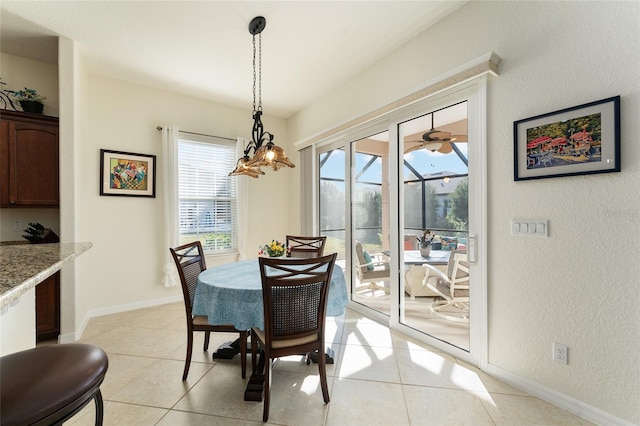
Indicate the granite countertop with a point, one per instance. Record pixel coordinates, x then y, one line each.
23 266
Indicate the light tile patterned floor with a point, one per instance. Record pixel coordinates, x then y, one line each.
379 378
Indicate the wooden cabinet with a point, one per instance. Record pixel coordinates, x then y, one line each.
29 164
48 308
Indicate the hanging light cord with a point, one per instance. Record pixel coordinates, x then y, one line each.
259 106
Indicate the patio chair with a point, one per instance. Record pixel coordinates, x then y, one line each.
452 286
371 270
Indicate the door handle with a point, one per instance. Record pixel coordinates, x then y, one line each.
473 249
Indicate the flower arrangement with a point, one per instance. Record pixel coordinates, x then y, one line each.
273 249
427 238
27 95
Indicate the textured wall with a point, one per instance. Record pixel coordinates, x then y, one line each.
127 255
579 286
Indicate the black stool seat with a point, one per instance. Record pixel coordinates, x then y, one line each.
49 384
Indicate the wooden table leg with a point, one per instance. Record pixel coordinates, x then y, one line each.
255 387
329 355
227 350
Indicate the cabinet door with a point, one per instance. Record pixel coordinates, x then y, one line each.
48 308
31 151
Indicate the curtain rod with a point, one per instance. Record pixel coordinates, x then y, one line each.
200 134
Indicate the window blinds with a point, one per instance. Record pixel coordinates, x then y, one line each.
207 194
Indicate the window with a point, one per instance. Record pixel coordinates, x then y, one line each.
207 194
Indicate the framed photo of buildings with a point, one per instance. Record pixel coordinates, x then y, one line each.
580 140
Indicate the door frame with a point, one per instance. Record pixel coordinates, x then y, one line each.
474 92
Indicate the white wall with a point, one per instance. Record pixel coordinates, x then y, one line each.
579 286
18 73
126 260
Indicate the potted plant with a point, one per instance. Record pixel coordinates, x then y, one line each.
273 249
29 100
425 242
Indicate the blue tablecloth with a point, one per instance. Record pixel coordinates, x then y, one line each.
232 294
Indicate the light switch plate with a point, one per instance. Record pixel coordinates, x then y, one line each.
530 227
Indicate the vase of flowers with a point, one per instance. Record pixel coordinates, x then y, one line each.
424 243
274 249
29 100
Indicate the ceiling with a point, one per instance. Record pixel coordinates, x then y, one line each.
204 48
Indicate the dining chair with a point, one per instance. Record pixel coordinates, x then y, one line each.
294 292
190 261
305 246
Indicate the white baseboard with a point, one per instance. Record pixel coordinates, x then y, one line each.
94 313
579 408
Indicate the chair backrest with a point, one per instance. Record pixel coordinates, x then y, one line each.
190 262
295 298
360 260
458 272
305 247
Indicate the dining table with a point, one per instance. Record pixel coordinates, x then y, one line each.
232 294
413 257
436 257
414 271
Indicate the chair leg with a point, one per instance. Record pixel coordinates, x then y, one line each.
322 369
267 387
243 353
99 408
254 354
187 361
438 305
206 341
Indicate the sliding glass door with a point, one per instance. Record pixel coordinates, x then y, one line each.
435 183
370 226
331 193
416 173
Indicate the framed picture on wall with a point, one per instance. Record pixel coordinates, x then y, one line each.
127 174
581 140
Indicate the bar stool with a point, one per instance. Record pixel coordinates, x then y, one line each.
50 384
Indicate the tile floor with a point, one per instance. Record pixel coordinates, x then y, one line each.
379 378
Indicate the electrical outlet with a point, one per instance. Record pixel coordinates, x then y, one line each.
560 353
17 226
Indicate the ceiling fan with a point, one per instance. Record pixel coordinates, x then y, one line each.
434 135
435 140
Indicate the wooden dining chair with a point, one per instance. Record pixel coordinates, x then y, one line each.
305 246
190 262
295 304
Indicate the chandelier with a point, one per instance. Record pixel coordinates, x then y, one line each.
265 152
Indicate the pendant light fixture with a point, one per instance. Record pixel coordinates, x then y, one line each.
265 152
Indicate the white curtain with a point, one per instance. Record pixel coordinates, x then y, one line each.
242 214
308 192
171 203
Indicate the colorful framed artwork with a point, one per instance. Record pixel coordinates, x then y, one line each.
581 140
127 174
